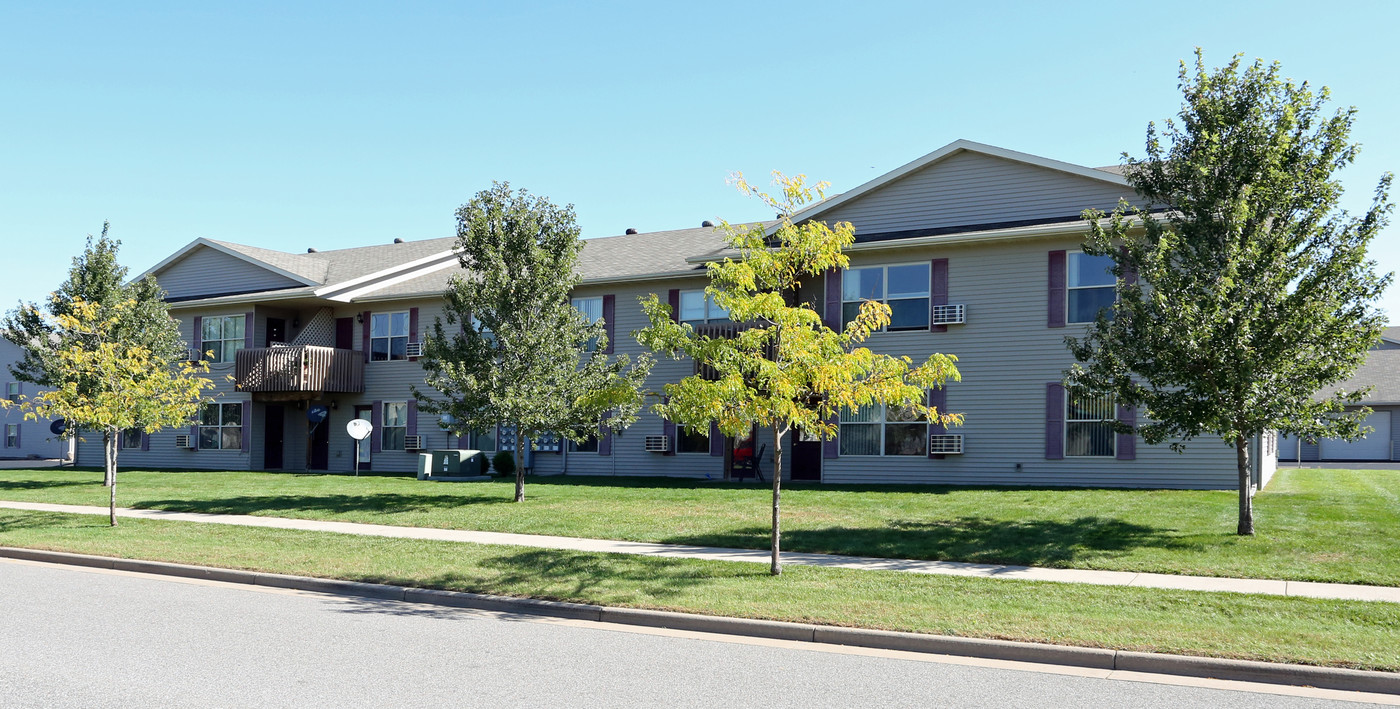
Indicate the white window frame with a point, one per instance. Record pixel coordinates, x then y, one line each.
1113 436
128 432
12 391
228 346
389 338
885 292
713 313
385 429
592 343
12 435
882 422
220 426
1069 311
680 435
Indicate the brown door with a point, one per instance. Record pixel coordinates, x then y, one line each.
276 331
806 456
274 431
320 445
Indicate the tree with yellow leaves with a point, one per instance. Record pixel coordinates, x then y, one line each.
784 368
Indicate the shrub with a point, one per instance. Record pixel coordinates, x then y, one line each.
503 463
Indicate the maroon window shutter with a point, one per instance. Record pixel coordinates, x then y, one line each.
831 448
411 422
198 338
194 436
1129 271
345 333
248 330
376 418
604 437
364 334
938 399
1054 421
716 440
1055 310
609 327
145 441
832 314
674 298
247 425
938 290
668 427
1127 442
413 329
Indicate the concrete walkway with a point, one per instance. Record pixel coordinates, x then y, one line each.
677 551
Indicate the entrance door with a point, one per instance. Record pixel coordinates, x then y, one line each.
320 453
363 412
276 331
806 456
345 333
274 416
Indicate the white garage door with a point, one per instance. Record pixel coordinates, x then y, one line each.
1375 446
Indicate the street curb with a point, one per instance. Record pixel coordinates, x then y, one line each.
1095 658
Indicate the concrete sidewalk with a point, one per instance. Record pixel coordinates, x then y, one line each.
676 551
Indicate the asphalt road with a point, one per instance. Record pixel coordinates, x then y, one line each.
79 638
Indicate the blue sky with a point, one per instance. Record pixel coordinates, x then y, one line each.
295 125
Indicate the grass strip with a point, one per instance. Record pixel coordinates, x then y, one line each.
1311 631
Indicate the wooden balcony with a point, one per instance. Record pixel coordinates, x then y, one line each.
301 371
726 330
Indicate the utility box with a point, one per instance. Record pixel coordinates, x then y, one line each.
450 464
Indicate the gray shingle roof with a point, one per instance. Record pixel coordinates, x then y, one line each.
1381 370
308 266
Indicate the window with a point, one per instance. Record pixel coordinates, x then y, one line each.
697 308
222 337
221 426
904 288
388 336
592 310
1089 425
12 391
1090 284
589 445
484 440
876 429
12 435
692 440
131 437
395 426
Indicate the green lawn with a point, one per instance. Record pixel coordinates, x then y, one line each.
1316 525
1342 633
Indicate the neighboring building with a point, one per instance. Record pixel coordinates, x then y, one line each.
975 249
1381 372
20 438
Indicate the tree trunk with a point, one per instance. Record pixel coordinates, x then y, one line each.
776 568
519 469
107 445
1246 526
111 471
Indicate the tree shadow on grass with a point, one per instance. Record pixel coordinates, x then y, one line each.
382 503
19 520
972 539
45 484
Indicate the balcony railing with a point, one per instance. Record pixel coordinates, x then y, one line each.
299 368
726 330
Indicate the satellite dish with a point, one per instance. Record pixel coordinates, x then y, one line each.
317 413
58 427
359 429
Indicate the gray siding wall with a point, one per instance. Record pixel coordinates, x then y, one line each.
971 188
35 440
205 271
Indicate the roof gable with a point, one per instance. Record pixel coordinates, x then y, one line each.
205 267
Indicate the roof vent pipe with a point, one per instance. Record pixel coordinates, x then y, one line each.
631 231
311 251
707 223
398 241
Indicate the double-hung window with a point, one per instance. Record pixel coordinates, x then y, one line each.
905 288
1089 425
484 440
592 310
697 308
589 445
12 391
388 336
395 426
876 429
12 435
222 337
1090 286
221 426
692 440
131 437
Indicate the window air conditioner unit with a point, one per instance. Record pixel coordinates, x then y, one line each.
413 349
945 444
949 314
658 444
413 443
184 440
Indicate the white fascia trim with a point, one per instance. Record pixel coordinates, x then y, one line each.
346 291
201 241
946 151
643 277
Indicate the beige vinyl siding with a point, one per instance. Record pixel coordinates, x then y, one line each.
970 188
206 271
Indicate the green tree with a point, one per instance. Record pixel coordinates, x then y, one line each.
98 279
1252 290
784 369
110 384
522 354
